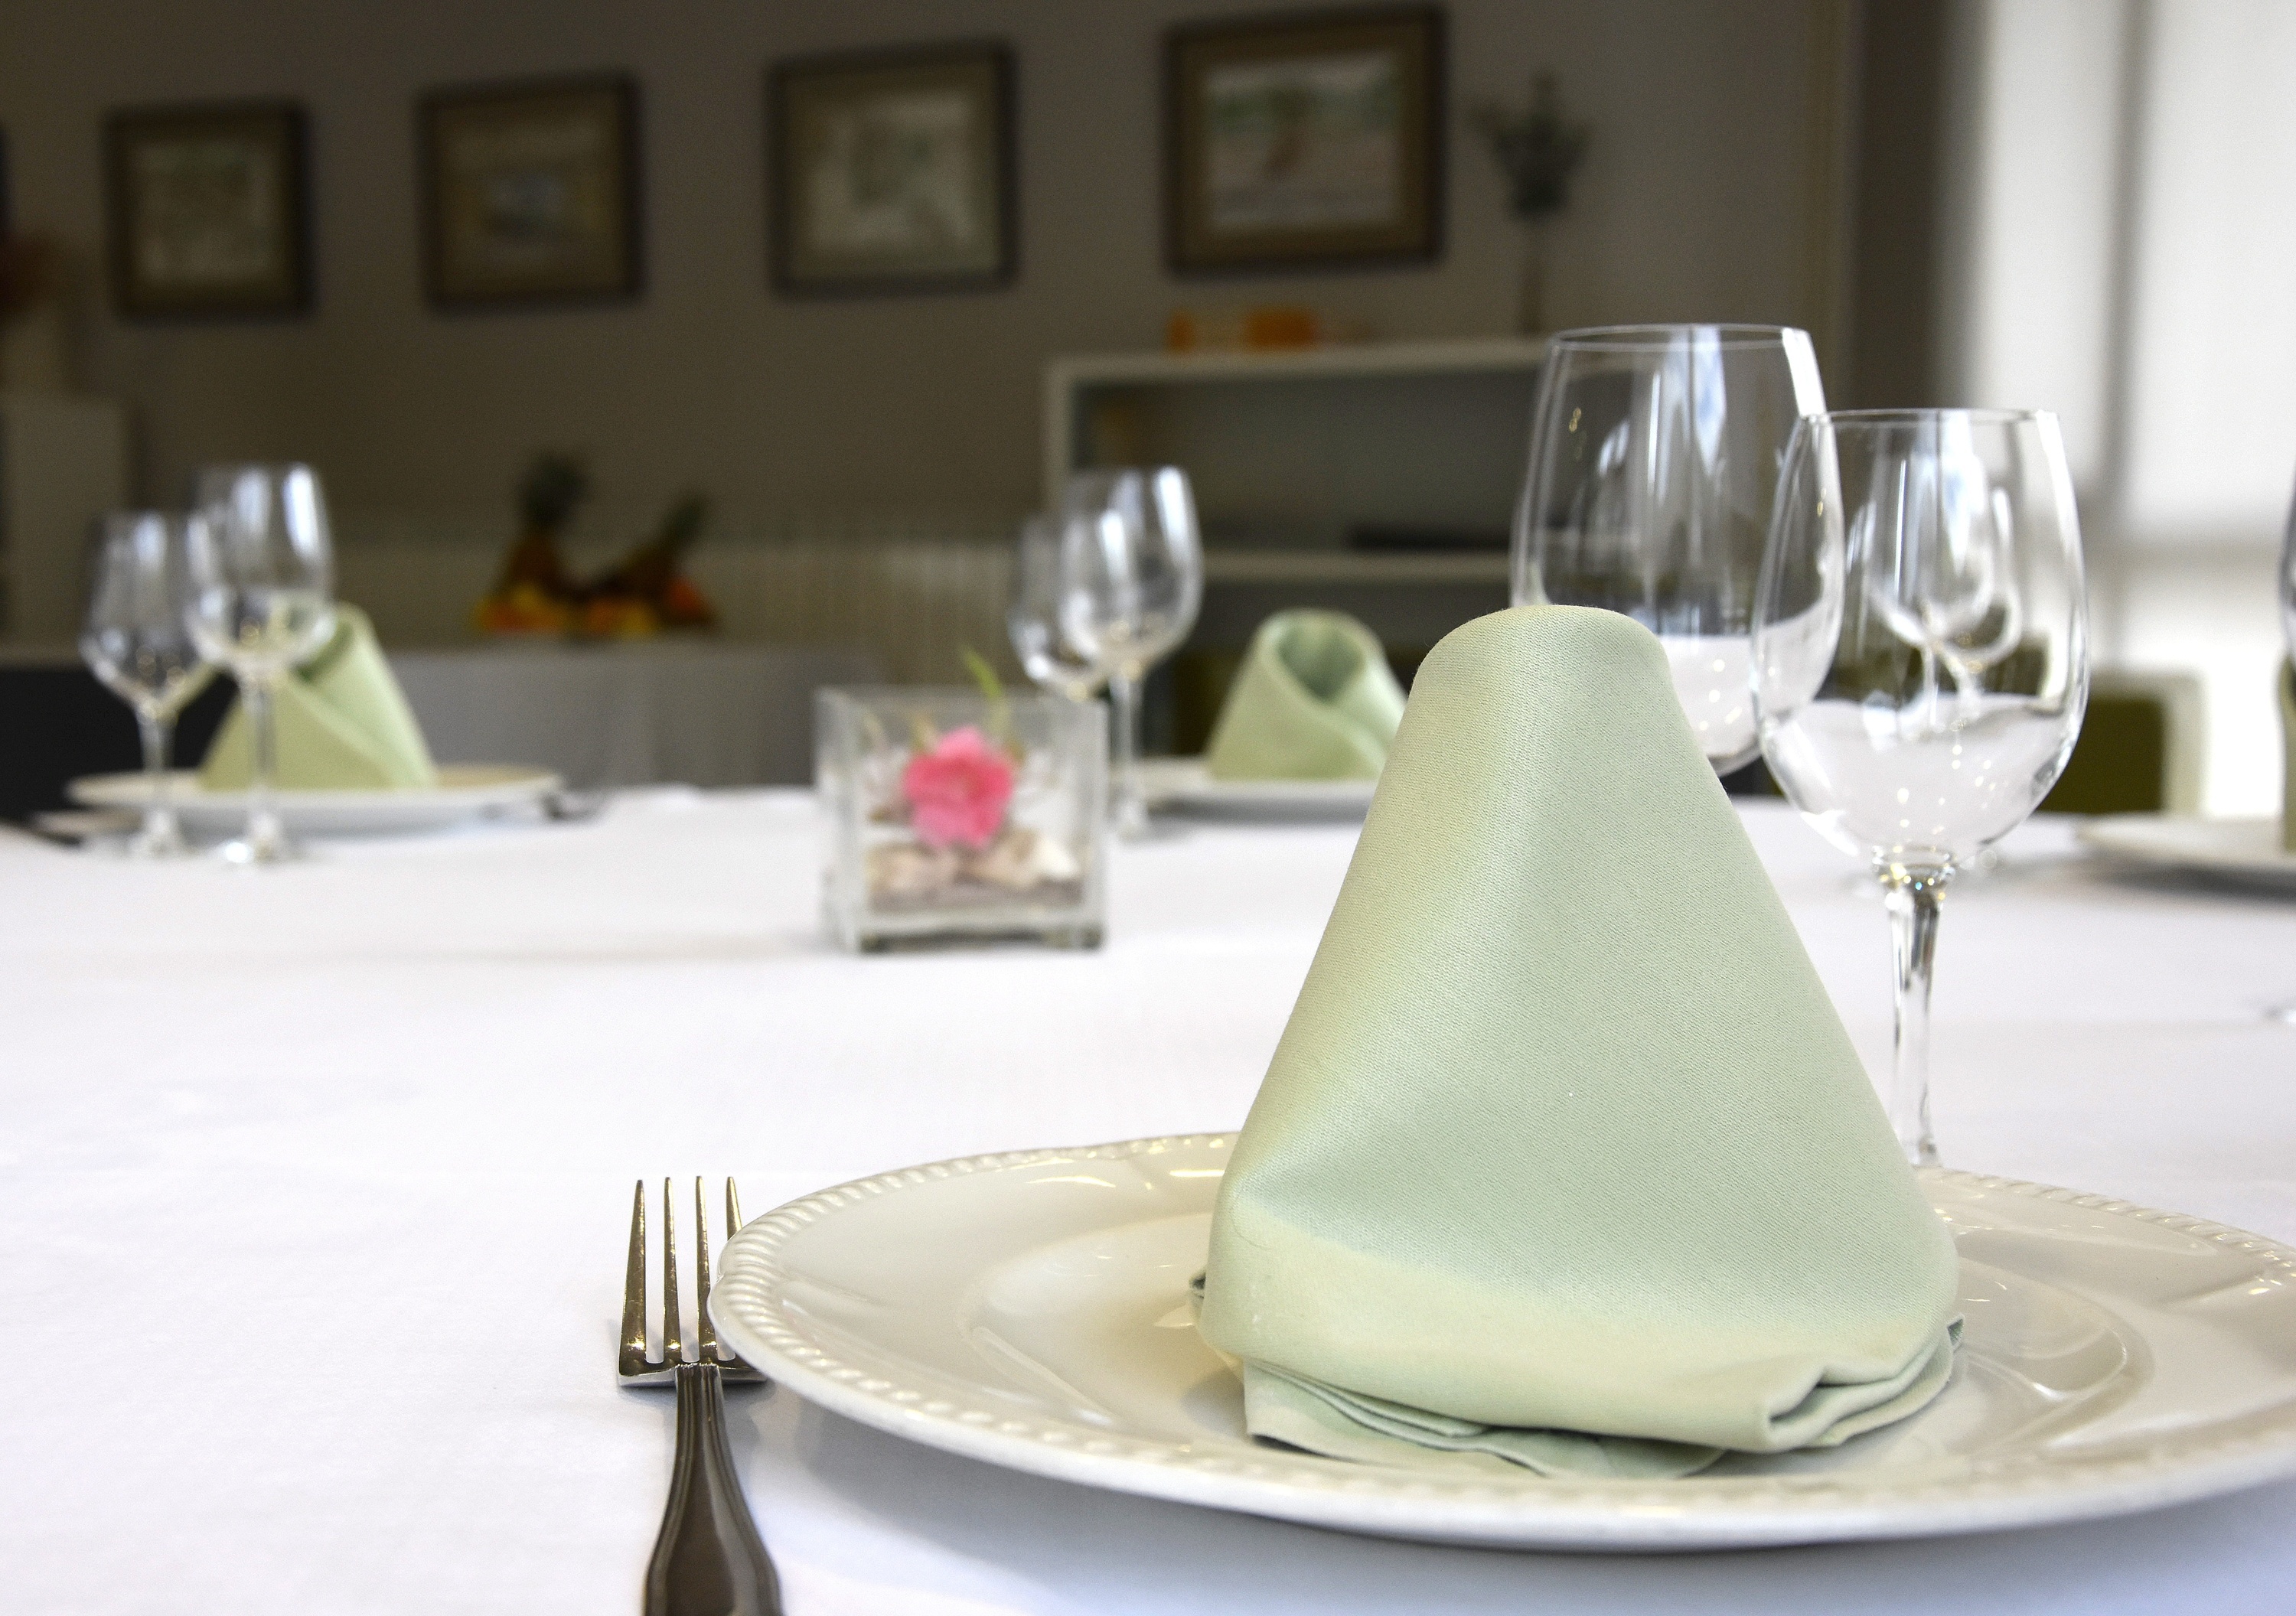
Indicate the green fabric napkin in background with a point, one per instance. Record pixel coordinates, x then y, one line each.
343 723
1564 1159
1315 699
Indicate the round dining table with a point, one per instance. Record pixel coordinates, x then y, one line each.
318 1181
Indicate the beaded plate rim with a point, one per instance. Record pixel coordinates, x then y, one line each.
1993 1492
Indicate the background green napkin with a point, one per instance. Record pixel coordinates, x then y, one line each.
1315 699
343 723
1564 1142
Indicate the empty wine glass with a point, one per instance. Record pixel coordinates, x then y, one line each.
1040 576
137 640
1135 578
1654 453
2288 581
1920 660
2285 1012
262 566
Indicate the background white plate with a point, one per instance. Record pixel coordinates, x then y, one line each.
464 791
1180 783
1030 1310
2240 850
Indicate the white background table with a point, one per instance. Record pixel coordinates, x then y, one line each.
316 1185
699 713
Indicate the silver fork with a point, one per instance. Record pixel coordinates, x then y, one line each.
709 1560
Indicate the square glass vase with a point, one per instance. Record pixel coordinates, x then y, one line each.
953 817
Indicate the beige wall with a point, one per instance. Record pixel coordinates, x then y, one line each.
1692 206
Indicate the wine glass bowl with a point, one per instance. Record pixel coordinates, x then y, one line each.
1654 455
1133 579
263 568
138 640
1921 657
1041 575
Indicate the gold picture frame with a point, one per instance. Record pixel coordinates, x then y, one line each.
530 192
892 171
208 209
1306 140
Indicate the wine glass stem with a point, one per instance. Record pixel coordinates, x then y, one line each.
1130 804
265 838
1913 898
160 831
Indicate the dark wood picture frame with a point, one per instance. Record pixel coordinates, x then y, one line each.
802 91
532 230
1256 236
208 209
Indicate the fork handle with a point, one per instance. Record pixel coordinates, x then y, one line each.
709 1560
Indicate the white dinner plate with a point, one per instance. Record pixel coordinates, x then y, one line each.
2247 851
464 791
1031 1310
1181 784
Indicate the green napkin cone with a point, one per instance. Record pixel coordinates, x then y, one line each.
1564 1160
1315 699
343 723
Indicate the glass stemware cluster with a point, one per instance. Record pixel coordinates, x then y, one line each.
1887 607
1102 592
246 580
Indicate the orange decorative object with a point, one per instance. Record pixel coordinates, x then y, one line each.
643 593
1281 327
1270 327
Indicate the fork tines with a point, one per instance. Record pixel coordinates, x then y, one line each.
635 1366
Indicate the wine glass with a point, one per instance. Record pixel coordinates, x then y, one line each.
2285 1013
1654 453
1920 660
1134 577
263 569
138 642
1040 575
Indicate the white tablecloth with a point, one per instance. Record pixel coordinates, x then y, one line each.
316 1185
630 715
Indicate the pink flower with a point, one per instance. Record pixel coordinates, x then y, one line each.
958 791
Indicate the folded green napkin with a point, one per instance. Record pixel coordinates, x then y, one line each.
1564 1160
1315 699
343 723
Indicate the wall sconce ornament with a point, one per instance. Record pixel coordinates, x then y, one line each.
1539 149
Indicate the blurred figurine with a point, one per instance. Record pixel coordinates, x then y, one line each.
647 590
535 594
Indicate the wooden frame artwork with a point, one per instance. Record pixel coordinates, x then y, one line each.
530 192
208 209
892 171
1309 141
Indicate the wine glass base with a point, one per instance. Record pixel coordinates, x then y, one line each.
251 853
2284 1014
157 845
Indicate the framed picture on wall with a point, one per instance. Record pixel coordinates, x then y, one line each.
530 192
1305 141
208 209
891 171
